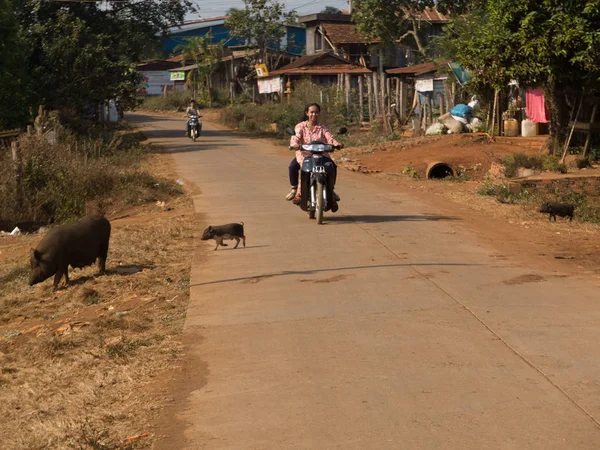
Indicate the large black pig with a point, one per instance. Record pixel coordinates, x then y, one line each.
76 245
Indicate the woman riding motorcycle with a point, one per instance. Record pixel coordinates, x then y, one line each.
191 111
306 132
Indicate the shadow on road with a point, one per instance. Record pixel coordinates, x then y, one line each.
335 269
383 219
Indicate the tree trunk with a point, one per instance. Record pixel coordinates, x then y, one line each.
559 117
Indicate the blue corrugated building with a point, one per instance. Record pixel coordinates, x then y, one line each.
294 41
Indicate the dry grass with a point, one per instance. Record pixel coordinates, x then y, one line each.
75 365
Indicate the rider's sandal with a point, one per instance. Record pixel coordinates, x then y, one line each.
297 200
291 194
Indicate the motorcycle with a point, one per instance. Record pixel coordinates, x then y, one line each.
195 126
317 194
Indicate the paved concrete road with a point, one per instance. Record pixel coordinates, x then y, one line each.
389 327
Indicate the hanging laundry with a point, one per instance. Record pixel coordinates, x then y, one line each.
536 106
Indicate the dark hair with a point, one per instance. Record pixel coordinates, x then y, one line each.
192 101
307 107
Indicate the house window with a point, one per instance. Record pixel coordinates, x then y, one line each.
318 41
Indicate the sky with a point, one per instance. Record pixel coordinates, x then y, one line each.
215 8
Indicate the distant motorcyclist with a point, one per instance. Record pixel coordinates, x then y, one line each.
306 132
192 110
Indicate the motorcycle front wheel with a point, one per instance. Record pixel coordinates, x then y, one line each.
193 135
320 201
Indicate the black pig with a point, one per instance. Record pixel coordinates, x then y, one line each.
221 232
558 209
78 245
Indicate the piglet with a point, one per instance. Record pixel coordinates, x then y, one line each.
221 232
78 245
558 209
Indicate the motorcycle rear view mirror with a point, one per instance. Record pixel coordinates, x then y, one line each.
342 130
290 131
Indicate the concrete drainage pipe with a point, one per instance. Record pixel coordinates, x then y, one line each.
438 170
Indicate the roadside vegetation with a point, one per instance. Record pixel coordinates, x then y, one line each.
54 182
75 363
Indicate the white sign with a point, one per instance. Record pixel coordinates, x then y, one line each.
269 85
424 84
177 76
156 80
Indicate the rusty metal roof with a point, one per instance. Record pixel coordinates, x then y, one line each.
323 70
419 69
432 15
344 33
324 63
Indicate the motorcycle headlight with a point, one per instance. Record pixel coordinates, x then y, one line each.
316 147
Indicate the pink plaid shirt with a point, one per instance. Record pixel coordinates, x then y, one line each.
304 135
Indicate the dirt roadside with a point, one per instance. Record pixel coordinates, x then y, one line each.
88 366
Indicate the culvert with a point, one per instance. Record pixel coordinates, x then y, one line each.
438 170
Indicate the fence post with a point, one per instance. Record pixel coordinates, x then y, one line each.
376 93
360 99
347 92
17 164
369 81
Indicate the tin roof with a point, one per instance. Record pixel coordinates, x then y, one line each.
324 63
432 15
419 69
344 33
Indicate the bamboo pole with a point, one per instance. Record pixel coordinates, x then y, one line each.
369 81
360 98
566 146
376 94
589 133
494 112
347 93
398 105
16 157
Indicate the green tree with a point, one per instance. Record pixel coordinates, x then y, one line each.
395 21
14 79
261 24
80 53
330 10
555 44
206 57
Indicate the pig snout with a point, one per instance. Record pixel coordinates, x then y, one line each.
37 276
208 234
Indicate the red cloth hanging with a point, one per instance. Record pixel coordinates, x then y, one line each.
535 106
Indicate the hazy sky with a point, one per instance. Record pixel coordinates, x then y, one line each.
214 8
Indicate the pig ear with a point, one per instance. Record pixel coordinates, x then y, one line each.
35 254
209 228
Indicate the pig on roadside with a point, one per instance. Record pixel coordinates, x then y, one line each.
221 232
76 245
558 209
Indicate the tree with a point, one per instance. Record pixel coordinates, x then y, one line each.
82 53
206 57
393 21
262 25
330 10
14 80
555 44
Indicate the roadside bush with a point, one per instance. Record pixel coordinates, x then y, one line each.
587 209
176 100
258 117
57 181
541 163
